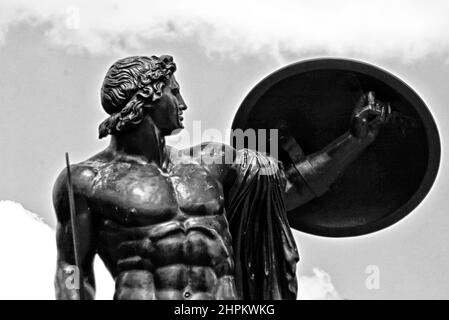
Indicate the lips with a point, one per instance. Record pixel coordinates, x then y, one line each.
180 117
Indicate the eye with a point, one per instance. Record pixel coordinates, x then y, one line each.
175 91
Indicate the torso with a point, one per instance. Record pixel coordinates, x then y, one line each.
162 234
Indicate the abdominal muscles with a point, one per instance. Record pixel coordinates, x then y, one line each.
178 282
173 260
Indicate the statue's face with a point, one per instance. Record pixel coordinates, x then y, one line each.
167 112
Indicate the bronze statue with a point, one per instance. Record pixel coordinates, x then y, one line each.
172 224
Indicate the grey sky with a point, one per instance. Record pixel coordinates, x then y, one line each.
49 92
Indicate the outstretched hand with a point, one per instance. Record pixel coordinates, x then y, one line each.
368 116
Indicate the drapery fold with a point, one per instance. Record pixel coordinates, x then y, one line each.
264 248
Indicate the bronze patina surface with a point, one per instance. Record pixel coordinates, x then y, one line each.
206 222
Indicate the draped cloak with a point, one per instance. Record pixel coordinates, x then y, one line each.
264 248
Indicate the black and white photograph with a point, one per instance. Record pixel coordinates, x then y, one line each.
224 150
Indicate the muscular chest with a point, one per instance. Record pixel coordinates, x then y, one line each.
137 194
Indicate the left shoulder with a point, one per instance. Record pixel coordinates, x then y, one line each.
207 153
216 157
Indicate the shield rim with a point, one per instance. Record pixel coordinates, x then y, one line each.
431 130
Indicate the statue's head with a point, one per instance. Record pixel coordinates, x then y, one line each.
139 87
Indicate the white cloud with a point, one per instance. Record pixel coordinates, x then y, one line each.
317 287
403 29
28 255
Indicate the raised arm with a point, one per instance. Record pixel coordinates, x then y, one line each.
311 176
66 281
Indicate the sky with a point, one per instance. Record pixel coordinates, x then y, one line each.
54 55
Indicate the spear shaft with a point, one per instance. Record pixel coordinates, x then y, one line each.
75 238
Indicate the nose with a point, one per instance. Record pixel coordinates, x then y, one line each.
182 105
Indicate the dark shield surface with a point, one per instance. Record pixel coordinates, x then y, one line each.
313 101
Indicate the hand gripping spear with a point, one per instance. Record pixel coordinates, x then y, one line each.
76 244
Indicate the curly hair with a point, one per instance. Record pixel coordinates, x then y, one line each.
128 84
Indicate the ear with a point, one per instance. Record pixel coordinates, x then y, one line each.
145 93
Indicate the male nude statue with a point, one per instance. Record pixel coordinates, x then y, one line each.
170 225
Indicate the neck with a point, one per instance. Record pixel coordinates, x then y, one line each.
145 141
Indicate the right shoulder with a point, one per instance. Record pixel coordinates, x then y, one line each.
83 175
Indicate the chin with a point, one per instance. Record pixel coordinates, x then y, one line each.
173 131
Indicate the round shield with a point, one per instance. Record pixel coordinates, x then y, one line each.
313 101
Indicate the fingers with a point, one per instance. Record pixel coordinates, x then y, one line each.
371 98
382 115
389 113
369 114
366 105
386 113
378 108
